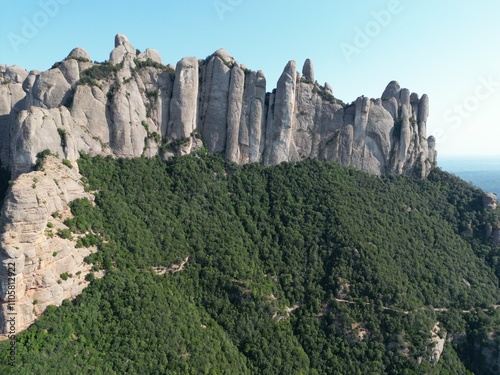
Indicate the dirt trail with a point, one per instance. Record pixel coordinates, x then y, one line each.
173 269
437 309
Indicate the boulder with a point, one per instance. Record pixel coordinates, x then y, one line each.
151 54
308 71
79 54
391 91
122 48
12 74
50 89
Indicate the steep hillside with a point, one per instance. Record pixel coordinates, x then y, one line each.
307 267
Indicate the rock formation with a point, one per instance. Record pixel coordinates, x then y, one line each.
40 267
438 343
489 201
132 106
492 228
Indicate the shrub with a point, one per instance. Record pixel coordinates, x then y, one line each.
65 233
101 71
88 81
77 58
67 163
40 158
148 63
56 65
62 134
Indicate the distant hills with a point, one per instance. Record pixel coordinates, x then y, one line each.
481 171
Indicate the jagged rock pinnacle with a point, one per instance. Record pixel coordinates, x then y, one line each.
308 70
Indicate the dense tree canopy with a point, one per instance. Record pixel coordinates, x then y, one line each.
299 268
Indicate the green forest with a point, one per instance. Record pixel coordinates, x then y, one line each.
299 268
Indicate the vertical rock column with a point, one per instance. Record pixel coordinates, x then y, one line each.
235 101
423 114
362 110
280 133
214 92
252 117
405 125
184 104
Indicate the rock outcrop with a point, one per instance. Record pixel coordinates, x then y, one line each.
438 343
493 227
37 266
490 201
132 106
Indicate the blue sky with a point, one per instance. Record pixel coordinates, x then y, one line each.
447 49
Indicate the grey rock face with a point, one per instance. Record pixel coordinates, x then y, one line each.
70 71
308 71
151 54
214 103
79 53
391 91
50 89
252 118
235 102
423 114
24 242
122 48
12 74
11 98
489 201
184 104
156 110
280 132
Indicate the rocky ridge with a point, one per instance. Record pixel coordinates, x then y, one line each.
132 105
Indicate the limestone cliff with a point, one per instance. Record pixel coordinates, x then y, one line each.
37 266
133 105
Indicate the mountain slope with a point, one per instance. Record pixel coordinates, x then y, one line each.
306 267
